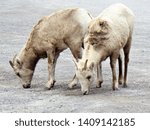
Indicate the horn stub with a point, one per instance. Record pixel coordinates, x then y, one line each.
85 65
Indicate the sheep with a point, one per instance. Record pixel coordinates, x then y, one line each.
49 37
109 35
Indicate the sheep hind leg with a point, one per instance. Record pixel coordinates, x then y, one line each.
120 61
126 70
73 83
126 60
77 55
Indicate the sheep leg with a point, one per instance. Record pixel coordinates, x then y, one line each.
113 61
126 69
76 51
126 60
99 76
120 59
52 58
73 83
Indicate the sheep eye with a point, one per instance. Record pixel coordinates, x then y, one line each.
100 24
18 74
88 77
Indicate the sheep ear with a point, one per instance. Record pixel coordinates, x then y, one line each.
11 64
76 64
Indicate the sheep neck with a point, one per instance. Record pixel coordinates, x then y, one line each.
29 58
94 55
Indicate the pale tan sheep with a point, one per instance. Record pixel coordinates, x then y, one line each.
109 33
50 36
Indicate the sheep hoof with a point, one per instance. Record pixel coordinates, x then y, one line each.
50 84
99 84
71 85
125 85
120 82
115 88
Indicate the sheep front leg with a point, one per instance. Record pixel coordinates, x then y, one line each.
51 78
52 58
99 76
113 61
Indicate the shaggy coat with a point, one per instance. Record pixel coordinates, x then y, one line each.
109 34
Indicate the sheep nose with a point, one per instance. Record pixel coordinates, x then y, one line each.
85 93
26 85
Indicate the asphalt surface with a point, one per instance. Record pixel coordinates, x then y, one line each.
17 17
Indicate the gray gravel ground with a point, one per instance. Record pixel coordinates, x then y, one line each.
17 18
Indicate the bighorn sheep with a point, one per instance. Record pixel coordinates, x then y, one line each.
108 35
53 34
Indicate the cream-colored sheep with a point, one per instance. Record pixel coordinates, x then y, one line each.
109 33
53 34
